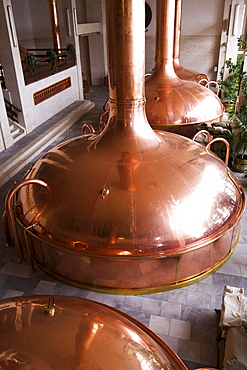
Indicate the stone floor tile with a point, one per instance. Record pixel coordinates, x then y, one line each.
10 268
207 280
189 350
152 306
203 333
45 287
171 310
196 299
193 365
209 354
243 269
19 283
95 296
179 296
160 325
133 303
209 289
241 248
143 317
239 258
23 271
180 329
12 293
3 278
172 342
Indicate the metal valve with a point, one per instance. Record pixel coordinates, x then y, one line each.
50 309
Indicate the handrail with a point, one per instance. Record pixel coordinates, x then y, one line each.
12 105
44 69
12 112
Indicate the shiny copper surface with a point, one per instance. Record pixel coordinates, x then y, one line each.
171 102
48 333
183 73
129 208
54 23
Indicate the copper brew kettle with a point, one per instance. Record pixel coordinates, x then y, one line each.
173 104
130 209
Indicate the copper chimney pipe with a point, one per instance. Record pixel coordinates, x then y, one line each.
174 104
127 210
183 73
126 65
54 23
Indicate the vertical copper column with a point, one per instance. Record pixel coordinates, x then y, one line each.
126 58
125 54
54 23
164 38
183 73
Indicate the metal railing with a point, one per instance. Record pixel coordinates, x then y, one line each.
12 111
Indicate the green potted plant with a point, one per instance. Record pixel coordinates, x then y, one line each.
31 61
235 83
53 59
240 140
71 50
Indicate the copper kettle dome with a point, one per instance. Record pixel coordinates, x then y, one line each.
181 72
173 104
129 209
60 332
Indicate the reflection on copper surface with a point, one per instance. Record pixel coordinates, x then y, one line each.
54 23
174 104
81 334
183 73
127 165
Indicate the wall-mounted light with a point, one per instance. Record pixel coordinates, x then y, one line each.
68 22
235 21
75 21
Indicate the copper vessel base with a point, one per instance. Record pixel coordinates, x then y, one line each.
131 277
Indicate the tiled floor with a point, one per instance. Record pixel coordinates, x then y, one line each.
185 319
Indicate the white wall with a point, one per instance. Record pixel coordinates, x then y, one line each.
200 35
43 111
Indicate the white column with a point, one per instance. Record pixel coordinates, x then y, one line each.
233 22
72 37
6 139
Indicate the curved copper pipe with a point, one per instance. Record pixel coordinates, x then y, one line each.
216 86
89 127
10 212
227 147
204 132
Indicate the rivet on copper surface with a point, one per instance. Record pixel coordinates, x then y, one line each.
104 192
50 309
